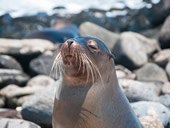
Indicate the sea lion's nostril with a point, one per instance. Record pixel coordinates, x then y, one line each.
69 43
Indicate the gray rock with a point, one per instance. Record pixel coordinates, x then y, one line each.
132 50
165 100
158 13
16 123
40 80
2 101
9 62
140 91
11 76
13 94
168 70
152 32
162 58
164 37
16 96
166 88
42 64
39 107
24 47
91 29
143 108
151 72
123 72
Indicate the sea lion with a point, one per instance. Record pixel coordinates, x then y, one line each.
88 93
59 34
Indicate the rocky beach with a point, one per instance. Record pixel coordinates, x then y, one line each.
139 40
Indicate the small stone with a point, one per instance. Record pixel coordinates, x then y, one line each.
151 72
168 70
16 123
162 58
166 88
40 80
9 62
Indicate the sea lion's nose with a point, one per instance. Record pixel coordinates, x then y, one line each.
70 42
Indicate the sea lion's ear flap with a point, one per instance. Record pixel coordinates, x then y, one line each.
111 56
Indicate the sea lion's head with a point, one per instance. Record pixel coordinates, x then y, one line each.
83 60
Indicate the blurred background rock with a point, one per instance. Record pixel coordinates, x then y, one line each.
136 31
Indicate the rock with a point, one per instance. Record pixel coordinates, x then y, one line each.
40 80
132 50
165 100
123 72
16 123
91 29
142 108
24 47
162 58
16 96
168 70
140 91
39 107
9 113
42 64
96 18
151 72
11 76
164 37
158 13
134 21
18 27
166 88
150 122
2 101
151 33
5 19
9 62
13 94
25 50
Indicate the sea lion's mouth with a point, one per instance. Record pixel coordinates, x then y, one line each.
68 59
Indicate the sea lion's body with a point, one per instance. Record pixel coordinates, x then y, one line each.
90 99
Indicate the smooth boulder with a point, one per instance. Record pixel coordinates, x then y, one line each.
143 108
24 47
140 91
42 64
9 62
132 50
39 107
11 76
93 30
151 72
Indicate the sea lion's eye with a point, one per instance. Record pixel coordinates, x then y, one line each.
92 45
